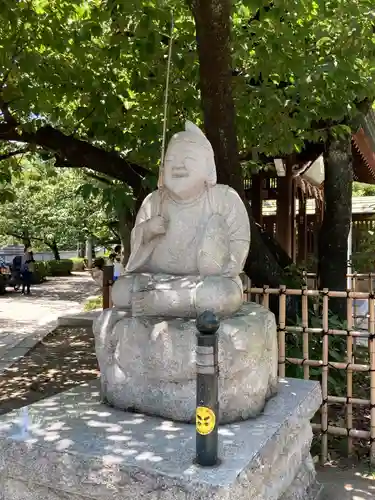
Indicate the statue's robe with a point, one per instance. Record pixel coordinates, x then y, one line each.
208 236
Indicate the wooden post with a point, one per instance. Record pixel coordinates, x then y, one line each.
292 221
107 284
325 365
284 210
302 228
317 225
89 251
282 329
371 346
257 197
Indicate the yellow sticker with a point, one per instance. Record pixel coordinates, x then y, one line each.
205 420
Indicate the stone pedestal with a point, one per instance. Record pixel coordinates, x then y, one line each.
148 364
76 448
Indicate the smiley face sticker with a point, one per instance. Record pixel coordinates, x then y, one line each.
205 420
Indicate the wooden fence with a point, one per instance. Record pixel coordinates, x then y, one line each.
348 364
322 334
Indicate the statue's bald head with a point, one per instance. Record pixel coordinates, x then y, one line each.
189 156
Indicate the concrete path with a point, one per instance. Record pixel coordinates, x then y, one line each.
25 320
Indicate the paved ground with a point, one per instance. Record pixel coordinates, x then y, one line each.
347 484
24 320
62 360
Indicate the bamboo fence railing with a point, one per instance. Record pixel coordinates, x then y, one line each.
262 295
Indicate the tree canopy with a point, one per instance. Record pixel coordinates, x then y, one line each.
360 189
48 207
94 71
82 83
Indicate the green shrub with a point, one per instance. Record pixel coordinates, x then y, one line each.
93 303
62 267
40 272
336 347
363 259
78 264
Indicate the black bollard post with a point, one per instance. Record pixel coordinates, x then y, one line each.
207 390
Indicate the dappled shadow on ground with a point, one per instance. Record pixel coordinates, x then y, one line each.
64 359
347 483
76 288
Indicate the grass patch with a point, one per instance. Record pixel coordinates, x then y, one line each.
93 303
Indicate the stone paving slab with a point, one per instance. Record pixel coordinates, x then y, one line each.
72 446
79 319
26 320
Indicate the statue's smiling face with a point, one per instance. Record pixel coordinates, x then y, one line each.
185 170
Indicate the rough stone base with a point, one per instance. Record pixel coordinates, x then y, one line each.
304 486
149 364
76 448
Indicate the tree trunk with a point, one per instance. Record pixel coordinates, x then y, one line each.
89 251
333 236
81 249
26 240
125 223
53 246
212 20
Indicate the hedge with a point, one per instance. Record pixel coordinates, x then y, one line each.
79 264
46 268
40 272
62 267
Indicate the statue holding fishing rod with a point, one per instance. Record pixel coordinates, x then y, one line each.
190 239
188 247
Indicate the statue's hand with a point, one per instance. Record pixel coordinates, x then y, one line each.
142 303
155 226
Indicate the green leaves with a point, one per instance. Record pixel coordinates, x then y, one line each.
50 204
97 69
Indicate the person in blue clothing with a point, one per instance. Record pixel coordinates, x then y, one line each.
27 269
115 258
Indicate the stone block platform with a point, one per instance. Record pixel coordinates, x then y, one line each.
73 447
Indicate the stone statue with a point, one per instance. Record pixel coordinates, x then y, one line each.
188 248
190 239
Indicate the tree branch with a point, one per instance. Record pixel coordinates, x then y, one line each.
310 152
256 16
99 178
82 120
8 117
6 156
76 153
115 233
24 236
15 235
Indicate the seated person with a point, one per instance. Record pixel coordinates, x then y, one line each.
97 271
